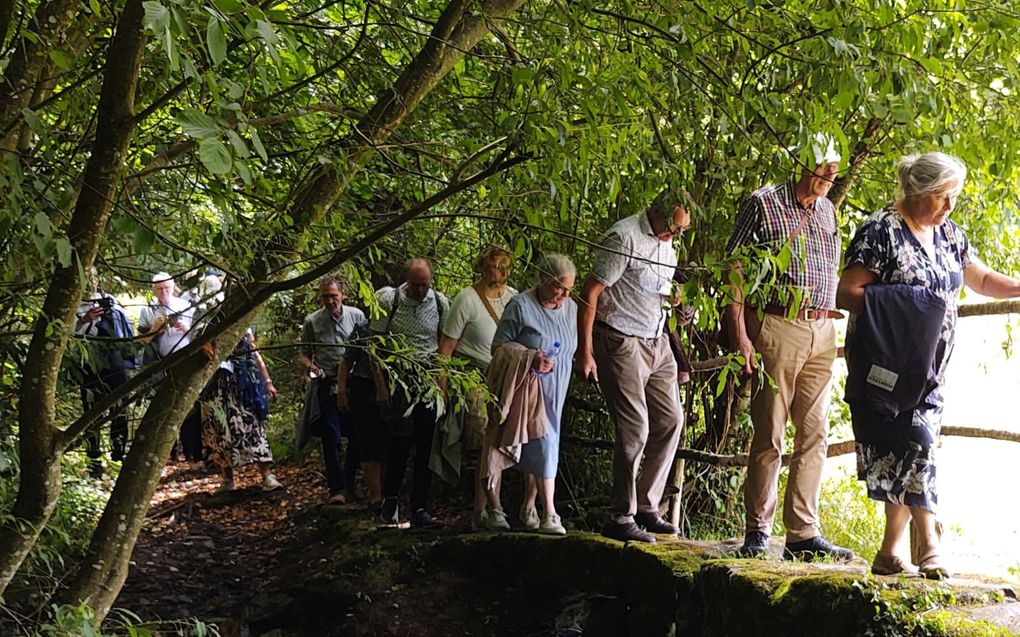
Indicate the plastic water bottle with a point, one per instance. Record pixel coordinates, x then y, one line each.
551 352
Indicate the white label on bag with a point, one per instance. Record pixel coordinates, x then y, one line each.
882 377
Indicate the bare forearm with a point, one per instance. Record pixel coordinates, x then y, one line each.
447 345
586 314
998 285
734 316
305 361
851 299
263 370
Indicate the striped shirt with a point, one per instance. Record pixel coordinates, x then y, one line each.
768 219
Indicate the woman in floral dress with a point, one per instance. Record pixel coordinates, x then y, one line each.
234 408
913 242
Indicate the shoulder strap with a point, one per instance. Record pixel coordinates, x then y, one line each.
487 305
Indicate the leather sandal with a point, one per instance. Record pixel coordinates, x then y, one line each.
931 566
892 565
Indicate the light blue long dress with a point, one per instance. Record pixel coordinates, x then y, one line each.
525 321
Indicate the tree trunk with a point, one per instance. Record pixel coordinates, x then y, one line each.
6 15
105 565
36 431
49 27
860 154
104 569
37 497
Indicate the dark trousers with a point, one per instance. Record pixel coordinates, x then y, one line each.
423 427
328 428
353 459
93 389
367 432
191 435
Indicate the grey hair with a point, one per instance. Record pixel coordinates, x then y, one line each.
159 277
555 266
929 173
329 280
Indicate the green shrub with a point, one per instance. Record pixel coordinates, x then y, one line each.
67 534
848 517
80 621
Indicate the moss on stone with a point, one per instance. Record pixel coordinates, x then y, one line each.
677 587
951 624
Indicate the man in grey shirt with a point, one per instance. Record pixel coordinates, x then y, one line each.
323 335
623 346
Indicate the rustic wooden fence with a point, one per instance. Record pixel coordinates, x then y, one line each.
684 455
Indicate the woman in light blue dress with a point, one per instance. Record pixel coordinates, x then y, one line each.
544 318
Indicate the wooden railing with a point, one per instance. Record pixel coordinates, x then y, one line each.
740 460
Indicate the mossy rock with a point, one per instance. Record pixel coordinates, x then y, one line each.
753 597
673 587
677 583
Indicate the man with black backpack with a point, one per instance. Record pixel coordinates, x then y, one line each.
112 355
415 312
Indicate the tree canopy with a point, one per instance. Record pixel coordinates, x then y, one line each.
276 141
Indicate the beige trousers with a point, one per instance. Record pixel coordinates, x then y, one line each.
638 380
798 355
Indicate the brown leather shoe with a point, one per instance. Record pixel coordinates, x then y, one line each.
892 565
931 566
626 532
655 523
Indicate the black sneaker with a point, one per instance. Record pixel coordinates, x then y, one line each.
816 548
655 523
421 519
626 532
389 512
756 544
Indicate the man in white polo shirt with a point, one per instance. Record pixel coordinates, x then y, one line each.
623 346
169 318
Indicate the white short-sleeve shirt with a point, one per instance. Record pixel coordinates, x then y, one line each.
637 269
471 324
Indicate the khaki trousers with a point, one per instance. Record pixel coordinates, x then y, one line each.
798 355
638 380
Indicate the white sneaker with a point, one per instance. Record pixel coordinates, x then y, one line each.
270 483
551 525
529 517
495 520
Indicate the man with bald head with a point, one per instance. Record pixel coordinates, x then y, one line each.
622 345
413 311
790 326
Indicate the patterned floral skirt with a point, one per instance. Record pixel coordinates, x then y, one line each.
904 473
232 434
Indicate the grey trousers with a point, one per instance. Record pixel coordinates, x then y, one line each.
638 380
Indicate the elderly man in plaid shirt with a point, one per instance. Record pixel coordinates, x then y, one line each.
792 330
